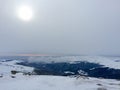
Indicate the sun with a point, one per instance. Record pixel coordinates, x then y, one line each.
25 13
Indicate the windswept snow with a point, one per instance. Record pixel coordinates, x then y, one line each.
37 82
56 83
7 66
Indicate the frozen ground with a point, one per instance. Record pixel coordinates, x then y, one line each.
7 66
35 82
56 83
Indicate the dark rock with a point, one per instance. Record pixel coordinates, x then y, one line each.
14 72
99 84
101 88
13 77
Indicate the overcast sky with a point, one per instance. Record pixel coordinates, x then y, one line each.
61 27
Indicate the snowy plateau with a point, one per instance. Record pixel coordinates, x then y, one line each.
11 80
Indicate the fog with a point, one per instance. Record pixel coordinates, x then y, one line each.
61 27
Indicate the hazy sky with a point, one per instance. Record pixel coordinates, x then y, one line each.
61 27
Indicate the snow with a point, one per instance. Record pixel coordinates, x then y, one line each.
105 61
68 72
37 82
56 83
111 62
7 66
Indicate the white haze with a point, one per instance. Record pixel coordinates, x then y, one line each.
61 27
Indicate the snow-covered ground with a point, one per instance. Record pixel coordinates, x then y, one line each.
36 82
56 83
7 66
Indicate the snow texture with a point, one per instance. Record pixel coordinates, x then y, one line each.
35 82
